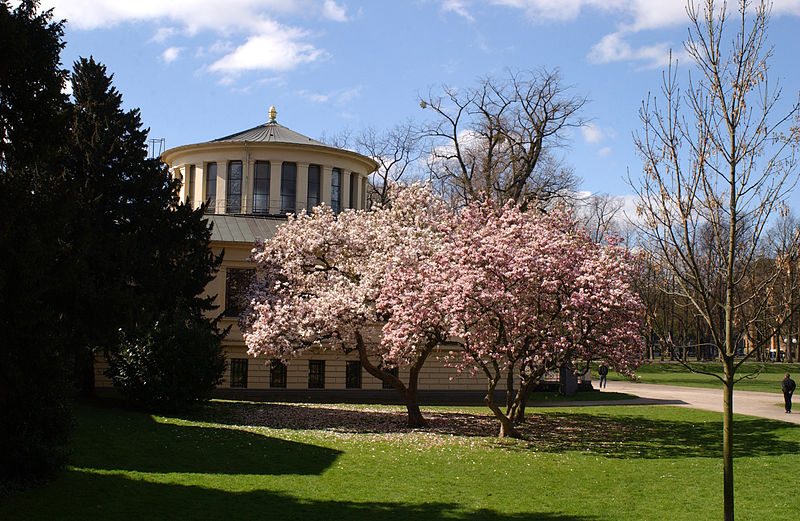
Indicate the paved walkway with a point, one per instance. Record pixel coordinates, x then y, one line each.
764 405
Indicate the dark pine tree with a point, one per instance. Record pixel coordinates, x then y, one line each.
145 256
35 416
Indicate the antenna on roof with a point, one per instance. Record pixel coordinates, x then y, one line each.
272 114
156 147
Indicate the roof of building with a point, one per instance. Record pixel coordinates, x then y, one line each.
270 132
243 228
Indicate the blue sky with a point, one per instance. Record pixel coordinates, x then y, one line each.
202 69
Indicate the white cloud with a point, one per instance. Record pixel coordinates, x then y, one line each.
458 7
171 54
337 97
256 40
612 47
603 152
278 50
633 15
163 34
592 133
334 11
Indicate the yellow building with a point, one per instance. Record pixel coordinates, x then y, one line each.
251 180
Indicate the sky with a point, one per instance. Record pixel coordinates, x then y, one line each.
203 69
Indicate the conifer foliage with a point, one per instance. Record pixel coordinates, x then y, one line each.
98 253
143 257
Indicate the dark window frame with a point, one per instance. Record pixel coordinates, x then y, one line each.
288 187
233 187
236 290
313 193
266 175
238 378
316 374
352 191
191 172
336 190
277 374
211 187
352 374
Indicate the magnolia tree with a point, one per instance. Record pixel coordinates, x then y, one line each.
319 279
520 293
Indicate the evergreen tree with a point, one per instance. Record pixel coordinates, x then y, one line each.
35 420
144 256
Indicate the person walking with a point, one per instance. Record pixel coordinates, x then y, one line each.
603 372
787 386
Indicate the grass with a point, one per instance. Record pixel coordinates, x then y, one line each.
236 460
673 373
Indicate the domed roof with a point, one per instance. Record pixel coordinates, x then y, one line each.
265 136
270 132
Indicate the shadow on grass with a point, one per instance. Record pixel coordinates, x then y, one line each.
619 435
119 498
113 439
636 437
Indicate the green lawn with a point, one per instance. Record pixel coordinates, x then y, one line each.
673 373
237 460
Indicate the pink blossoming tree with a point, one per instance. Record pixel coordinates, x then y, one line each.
319 279
520 294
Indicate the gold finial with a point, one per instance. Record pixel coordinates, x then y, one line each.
272 114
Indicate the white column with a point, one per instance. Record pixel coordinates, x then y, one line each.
275 187
325 185
301 192
356 178
222 176
199 184
345 189
247 184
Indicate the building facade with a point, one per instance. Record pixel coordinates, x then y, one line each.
250 181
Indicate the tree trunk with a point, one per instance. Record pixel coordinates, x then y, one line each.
408 393
507 428
415 418
522 402
727 441
510 398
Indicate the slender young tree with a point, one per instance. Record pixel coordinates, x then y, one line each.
719 158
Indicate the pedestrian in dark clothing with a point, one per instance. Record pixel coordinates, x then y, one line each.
603 372
787 386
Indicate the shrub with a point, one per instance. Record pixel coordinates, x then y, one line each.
170 365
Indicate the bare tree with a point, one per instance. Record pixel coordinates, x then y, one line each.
499 138
396 150
719 158
599 214
784 295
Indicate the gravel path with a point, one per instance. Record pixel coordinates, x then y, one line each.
764 405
